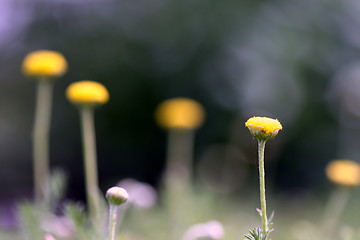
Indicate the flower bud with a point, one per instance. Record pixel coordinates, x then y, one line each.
88 93
116 195
44 64
263 128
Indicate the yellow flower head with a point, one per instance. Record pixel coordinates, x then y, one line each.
344 173
87 93
180 113
263 128
44 64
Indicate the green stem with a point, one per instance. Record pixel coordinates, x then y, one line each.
90 162
333 210
177 175
261 150
113 214
41 137
179 155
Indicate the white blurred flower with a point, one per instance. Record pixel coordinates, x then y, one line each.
49 237
141 194
211 230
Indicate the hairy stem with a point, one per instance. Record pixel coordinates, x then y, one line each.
113 214
261 150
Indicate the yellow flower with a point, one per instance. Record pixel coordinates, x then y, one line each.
344 172
180 113
87 93
263 128
44 63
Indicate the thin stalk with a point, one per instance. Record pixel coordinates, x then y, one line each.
333 210
113 215
177 175
261 150
90 162
41 130
179 155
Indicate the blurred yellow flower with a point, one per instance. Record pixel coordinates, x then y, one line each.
87 93
263 128
344 172
44 63
180 113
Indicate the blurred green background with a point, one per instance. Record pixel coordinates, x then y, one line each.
294 60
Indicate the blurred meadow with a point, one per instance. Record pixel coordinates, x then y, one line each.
297 61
